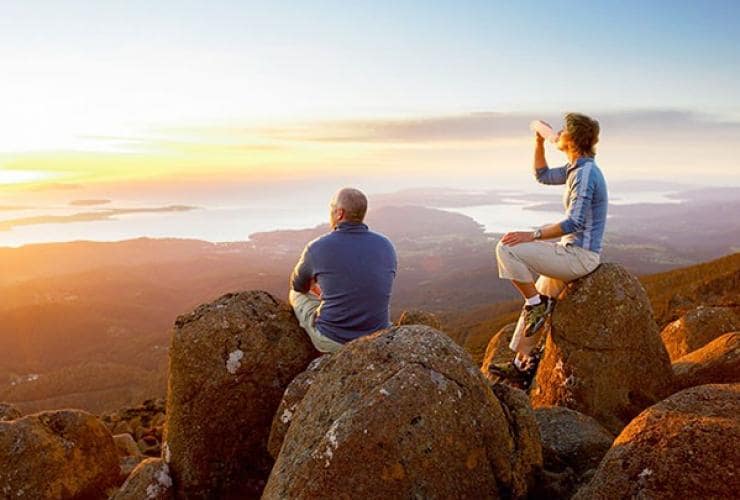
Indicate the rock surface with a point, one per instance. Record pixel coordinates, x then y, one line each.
417 317
498 349
697 328
404 413
8 412
683 447
718 362
230 362
571 440
292 397
526 457
150 480
126 446
61 454
603 356
145 423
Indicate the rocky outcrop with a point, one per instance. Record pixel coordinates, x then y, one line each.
573 444
400 414
150 480
675 293
292 397
498 349
526 457
418 317
129 454
697 328
230 362
683 447
145 423
8 412
126 446
61 454
603 356
718 362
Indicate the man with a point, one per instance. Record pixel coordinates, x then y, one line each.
341 286
522 255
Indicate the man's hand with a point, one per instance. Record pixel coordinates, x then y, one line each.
315 288
516 237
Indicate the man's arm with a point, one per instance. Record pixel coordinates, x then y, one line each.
302 278
542 172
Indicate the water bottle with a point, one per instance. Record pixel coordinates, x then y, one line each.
544 130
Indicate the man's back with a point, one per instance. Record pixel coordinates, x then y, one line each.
355 269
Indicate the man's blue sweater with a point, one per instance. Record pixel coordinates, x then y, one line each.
355 269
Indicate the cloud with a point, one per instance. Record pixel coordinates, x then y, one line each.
85 203
7 225
489 126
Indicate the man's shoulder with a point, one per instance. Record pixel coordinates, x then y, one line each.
333 238
319 241
380 238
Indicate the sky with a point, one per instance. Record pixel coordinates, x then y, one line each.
121 98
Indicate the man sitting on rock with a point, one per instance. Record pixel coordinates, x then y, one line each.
522 255
341 286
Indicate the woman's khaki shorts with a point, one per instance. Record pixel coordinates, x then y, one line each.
556 264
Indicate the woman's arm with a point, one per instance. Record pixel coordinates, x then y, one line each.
549 231
542 172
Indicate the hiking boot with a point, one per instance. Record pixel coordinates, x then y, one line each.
509 373
535 316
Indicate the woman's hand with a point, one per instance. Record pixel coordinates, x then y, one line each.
538 138
516 237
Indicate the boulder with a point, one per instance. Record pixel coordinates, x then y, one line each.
404 413
498 349
150 480
603 356
571 440
8 412
680 448
230 362
127 465
697 328
126 445
58 454
718 362
149 445
417 317
122 427
288 405
526 456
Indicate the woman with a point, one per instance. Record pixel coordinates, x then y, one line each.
523 254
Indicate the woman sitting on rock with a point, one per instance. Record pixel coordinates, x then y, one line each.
523 254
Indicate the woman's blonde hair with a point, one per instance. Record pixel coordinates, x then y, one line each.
583 132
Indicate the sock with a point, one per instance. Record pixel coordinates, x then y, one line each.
521 361
533 300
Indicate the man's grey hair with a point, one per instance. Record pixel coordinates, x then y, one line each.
353 201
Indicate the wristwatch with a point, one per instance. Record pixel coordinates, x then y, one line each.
537 234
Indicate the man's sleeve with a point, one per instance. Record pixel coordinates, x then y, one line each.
547 175
581 194
395 259
303 273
